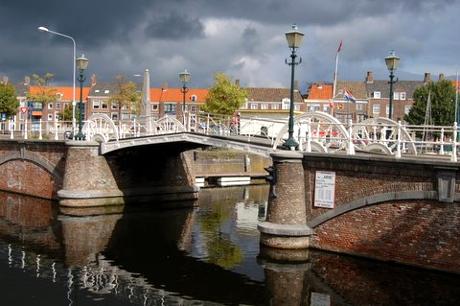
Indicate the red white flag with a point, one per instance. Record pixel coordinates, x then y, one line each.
340 47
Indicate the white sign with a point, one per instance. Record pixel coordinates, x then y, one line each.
324 189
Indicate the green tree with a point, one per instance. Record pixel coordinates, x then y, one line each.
66 114
125 95
442 96
42 93
8 102
224 97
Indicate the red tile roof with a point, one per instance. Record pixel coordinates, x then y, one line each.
320 92
175 95
66 91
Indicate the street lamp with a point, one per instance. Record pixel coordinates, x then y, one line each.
45 29
82 64
184 77
392 62
294 39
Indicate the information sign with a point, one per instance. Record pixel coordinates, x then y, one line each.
324 189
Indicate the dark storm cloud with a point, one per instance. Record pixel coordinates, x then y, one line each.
174 26
167 35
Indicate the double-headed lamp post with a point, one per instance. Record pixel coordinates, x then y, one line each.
392 62
45 29
82 64
184 77
294 39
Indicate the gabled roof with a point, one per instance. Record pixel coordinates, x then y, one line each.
400 86
65 91
176 95
319 91
271 94
356 88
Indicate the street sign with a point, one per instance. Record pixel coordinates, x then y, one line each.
23 109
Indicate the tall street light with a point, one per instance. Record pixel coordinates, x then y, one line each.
45 29
184 77
392 62
294 39
82 64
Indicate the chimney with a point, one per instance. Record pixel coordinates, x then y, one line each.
427 77
146 94
26 80
237 82
369 77
93 80
441 77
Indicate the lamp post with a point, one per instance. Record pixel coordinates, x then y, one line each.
184 77
82 64
294 39
392 62
45 29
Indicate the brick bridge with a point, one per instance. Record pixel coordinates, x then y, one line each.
402 210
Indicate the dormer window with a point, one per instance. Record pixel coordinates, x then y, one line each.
193 98
376 95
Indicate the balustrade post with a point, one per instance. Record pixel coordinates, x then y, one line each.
40 129
453 157
441 149
398 141
207 125
308 147
56 135
11 129
374 128
25 129
350 146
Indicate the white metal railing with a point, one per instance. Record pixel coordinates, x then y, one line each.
314 132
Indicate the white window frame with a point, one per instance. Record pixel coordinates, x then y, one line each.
285 103
376 109
407 109
96 104
403 95
377 95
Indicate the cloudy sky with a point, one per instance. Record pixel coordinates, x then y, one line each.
243 38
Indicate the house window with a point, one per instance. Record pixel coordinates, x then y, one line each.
376 95
170 108
50 117
359 107
114 116
286 103
193 98
124 116
104 104
253 105
276 106
58 105
387 110
50 105
407 109
297 107
154 106
376 109
402 95
326 108
396 95
114 105
264 106
96 104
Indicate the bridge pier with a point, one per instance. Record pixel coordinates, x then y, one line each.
286 224
88 179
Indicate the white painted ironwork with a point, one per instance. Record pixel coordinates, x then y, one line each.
100 127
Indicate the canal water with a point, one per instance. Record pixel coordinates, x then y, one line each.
208 255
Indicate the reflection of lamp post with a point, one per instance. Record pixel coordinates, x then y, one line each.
184 77
392 62
82 64
44 29
294 39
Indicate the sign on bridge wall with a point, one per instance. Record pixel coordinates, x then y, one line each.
324 189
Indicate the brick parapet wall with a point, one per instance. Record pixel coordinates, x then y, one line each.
388 210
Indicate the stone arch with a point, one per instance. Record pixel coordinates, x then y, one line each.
370 201
27 179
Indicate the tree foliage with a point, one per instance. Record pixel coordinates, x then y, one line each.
8 102
442 96
125 95
44 93
224 97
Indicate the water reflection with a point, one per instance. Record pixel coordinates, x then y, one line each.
203 256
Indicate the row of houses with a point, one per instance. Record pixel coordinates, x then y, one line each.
369 98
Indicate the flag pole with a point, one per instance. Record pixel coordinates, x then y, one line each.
456 98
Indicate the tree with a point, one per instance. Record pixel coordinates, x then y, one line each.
224 97
442 96
43 92
125 94
8 102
